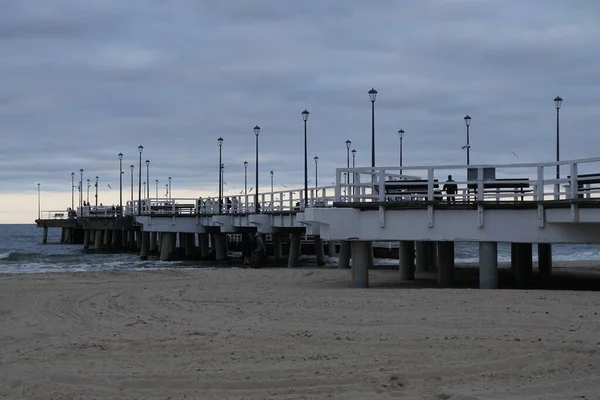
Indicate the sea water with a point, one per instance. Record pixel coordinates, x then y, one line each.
22 251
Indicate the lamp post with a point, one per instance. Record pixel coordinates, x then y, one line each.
353 163
157 189
557 103
348 144
132 167
72 190
468 146
316 172
220 143
88 192
96 184
39 209
272 173
256 133
121 184
305 114
81 188
372 97
401 136
140 149
147 192
245 178
169 187
145 187
166 190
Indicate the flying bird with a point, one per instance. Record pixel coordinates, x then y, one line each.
282 185
514 154
109 186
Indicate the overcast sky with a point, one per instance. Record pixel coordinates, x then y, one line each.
82 81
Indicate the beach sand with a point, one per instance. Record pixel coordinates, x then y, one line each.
290 334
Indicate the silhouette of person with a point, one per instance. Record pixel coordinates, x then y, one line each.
450 188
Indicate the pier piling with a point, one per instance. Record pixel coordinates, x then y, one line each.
488 265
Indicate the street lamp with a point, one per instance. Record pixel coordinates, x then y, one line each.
72 190
220 143
245 178
81 188
316 172
557 103
256 133
132 167
372 97
140 149
147 192
120 184
401 135
305 114
348 143
468 146
88 192
166 190
39 209
272 173
169 187
353 163
157 189
96 184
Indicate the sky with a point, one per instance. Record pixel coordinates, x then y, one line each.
85 80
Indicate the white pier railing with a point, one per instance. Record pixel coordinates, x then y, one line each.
579 179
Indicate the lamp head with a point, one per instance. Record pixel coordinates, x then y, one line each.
401 133
353 152
140 148
72 174
305 115
557 102
348 143
467 120
245 163
256 130
316 159
220 141
372 95
120 156
147 162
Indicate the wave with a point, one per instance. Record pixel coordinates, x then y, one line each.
18 256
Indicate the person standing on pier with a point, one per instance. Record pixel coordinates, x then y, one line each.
450 188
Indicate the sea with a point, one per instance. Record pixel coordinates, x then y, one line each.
22 252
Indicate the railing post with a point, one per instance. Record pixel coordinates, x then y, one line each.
574 189
338 189
480 186
356 180
381 184
540 183
430 184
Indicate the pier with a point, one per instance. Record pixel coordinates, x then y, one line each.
523 204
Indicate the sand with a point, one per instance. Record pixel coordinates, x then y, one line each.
289 334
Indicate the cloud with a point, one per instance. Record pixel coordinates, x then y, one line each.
84 81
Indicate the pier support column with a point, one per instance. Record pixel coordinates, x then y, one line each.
86 239
62 234
545 258
445 264
145 246
372 256
331 248
488 265
277 248
294 255
166 245
524 264
98 239
433 254
203 243
45 235
138 240
190 246
107 236
68 235
422 256
219 245
172 246
406 250
319 250
513 257
344 258
115 242
361 259
153 248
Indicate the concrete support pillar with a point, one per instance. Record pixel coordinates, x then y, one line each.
422 249
173 245
433 254
138 240
115 242
331 248
68 232
153 248
524 264
98 239
62 234
513 257
166 246
545 258
181 241
145 246
45 235
488 265
190 246
361 255
86 239
106 237
319 250
277 248
203 243
219 245
445 264
344 259
295 242
406 251
129 240
371 255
